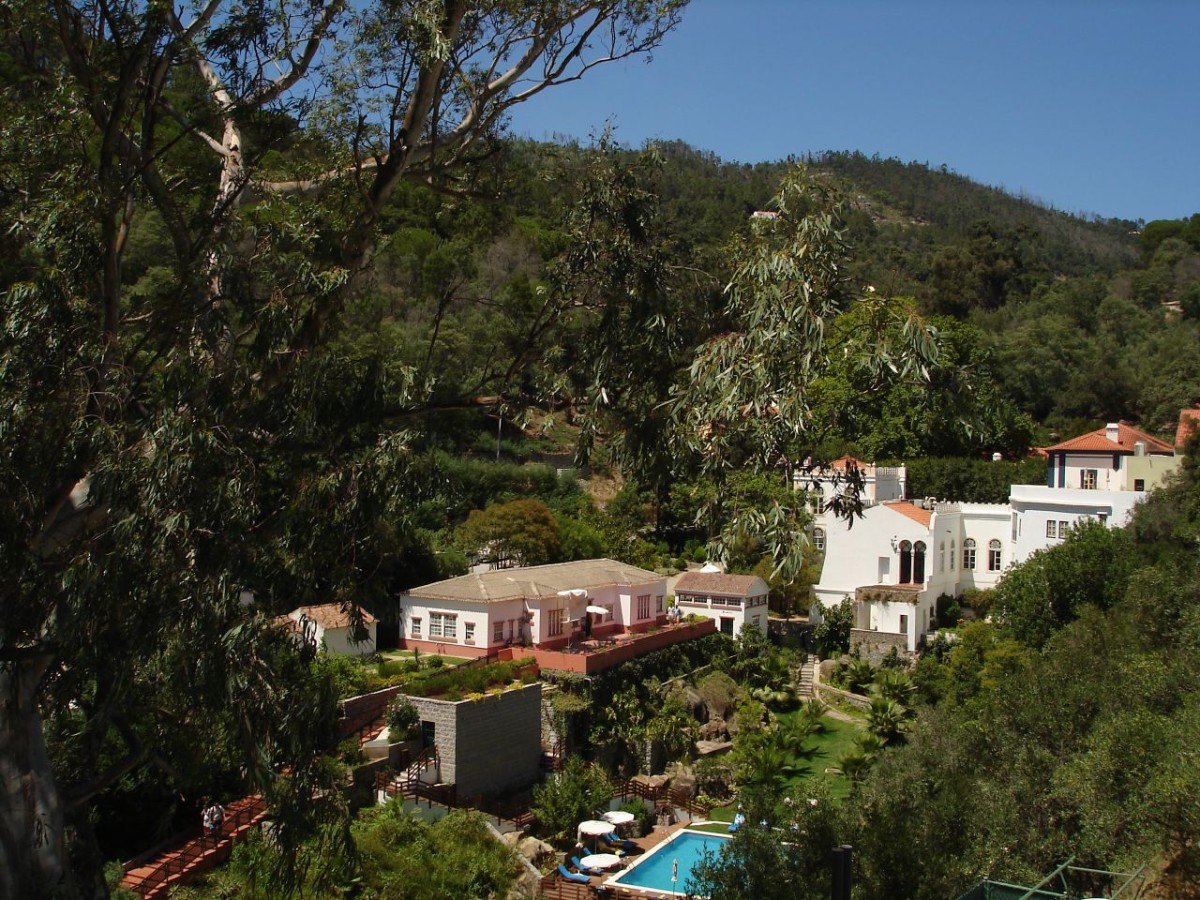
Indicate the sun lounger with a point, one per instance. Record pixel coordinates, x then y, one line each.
615 840
586 870
572 876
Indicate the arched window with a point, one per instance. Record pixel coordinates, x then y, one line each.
941 556
994 556
918 562
969 555
905 562
953 556
819 539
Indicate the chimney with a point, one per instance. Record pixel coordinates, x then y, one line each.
1112 431
1139 448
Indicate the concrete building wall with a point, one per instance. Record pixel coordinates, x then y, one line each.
862 552
1034 506
489 745
338 640
1150 471
498 744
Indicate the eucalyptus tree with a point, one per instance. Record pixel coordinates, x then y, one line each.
177 434
749 397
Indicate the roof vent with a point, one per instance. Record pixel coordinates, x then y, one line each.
1139 448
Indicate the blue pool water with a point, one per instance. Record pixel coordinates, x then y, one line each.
654 870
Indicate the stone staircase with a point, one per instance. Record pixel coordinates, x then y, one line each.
806 685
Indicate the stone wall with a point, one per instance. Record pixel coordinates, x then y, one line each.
873 646
489 745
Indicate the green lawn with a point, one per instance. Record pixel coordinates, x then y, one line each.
827 747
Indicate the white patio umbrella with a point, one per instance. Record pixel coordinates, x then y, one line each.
595 828
618 816
598 610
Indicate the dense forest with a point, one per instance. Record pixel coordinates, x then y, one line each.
264 349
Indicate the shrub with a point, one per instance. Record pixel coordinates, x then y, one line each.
402 719
643 815
948 610
578 792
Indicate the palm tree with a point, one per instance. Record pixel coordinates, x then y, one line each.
895 685
887 719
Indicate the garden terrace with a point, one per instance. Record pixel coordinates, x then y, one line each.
588 657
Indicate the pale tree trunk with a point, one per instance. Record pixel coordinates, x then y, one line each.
33 856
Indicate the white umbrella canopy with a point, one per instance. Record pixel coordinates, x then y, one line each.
595 828
618 817
598 610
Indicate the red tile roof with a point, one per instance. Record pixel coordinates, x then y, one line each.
843 462
1188 420
1098 442
331 615
911 510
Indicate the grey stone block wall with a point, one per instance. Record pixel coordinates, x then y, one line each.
490 745
875 645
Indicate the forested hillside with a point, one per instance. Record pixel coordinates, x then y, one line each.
1063 322
275 284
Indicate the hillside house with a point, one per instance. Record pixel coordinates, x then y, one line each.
548 607
901 556
729 600
330 626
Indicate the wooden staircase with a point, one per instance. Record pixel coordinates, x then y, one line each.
153 874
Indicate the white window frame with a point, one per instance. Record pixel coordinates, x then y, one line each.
643 606
969 555
443 625
1088 478
414 626
1062 528
555 622
995 555
819 540
1051 528
468 632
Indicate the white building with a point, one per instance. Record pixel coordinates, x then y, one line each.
900 557
729 600
330 626
543 606
875 485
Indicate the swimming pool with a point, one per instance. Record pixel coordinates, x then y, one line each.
653 871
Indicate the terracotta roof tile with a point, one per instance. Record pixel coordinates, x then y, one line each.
910 510
1188 420
1098 442
533 581
715 583
330 615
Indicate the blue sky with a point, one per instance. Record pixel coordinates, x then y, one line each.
1090 107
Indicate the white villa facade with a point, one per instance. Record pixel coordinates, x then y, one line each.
878 484
901 556
547 607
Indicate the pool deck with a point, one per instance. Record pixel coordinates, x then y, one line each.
660 835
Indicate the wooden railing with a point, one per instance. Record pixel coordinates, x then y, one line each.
682 799
192 846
